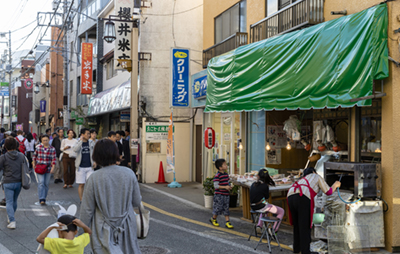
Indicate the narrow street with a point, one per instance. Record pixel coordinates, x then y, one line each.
175 227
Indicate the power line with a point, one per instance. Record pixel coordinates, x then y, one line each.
173 13
24 26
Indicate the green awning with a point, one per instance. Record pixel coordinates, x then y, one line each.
325 65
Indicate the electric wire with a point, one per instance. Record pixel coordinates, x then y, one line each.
23 26
174 13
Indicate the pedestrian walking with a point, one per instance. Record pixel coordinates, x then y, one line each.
2 130
93 135
114 185
67 243
301 207
68 158
58 170
30 147
221 194
259 194
83 162
21 140
128 134
11 165
123 148
112 136
44 161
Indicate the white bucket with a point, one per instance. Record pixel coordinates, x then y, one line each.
208 201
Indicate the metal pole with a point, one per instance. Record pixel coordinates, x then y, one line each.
67 122
134 89
9 83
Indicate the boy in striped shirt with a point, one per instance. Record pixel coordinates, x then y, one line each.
221 194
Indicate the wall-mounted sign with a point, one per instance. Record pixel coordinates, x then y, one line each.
28 83
157 131
19 127
125 116
79 121
122 50
42 106
87 68
4 91
13 101
199 88
180 78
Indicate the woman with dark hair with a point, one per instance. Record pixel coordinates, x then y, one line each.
10 164
68 158
259 194
115 185
30 147
301 207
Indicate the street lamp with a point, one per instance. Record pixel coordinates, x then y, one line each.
109 32
36 89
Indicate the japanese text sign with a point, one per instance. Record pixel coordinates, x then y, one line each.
87 68
42 106
180 78
122 49
200 87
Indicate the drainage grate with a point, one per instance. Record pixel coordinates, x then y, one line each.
153 250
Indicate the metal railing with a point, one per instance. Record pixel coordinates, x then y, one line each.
299 14
230 43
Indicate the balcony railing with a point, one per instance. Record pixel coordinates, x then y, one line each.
230 43
299 14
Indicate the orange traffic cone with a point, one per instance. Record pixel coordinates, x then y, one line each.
161 178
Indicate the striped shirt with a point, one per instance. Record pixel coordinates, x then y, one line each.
223 180
316 183
45 156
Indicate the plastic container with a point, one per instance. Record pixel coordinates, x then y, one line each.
318 218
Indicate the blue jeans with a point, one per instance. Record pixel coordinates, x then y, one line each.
11 190
43 185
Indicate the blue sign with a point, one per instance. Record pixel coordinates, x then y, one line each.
4 92
200 87
180 78
42 106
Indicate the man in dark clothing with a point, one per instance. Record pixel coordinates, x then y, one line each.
123 148
58 170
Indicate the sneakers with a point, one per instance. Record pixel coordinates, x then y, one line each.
58 181
3 202
228 225
259 230
214 222
12 225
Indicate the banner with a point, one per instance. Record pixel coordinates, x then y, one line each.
87 68
122 49
170 147
180 78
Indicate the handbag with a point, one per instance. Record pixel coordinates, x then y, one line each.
26 177
61 156
142 221
41 169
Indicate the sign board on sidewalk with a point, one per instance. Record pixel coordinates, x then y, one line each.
170 147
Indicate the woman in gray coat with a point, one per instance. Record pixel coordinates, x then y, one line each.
110 195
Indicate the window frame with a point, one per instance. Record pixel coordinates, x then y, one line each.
239 20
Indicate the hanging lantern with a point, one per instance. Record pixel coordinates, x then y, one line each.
109 32
209 138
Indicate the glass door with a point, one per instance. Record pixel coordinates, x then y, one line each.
226 139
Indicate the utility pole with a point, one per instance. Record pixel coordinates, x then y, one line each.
66 120
9 83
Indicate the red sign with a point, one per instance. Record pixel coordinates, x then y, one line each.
28 83
209 138
87 68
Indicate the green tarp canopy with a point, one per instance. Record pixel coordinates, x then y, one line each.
325 65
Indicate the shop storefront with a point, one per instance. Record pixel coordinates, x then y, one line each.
299 100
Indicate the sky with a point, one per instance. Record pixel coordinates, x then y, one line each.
15 14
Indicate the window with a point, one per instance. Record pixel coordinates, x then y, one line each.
111 72
272 6
230 22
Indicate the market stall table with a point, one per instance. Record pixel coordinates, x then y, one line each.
283 189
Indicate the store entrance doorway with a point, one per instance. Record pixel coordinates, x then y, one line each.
230 141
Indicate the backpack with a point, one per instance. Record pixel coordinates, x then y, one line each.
21 147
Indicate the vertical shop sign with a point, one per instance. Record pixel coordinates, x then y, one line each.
180 78
87 68
122 50
170 147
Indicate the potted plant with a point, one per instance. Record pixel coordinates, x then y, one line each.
208 186
233 196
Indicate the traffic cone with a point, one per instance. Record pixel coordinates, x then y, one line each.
161 178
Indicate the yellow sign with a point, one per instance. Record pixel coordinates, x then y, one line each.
179 54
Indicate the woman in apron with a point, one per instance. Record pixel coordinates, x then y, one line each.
301 207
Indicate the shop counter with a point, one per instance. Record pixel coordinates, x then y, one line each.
277 194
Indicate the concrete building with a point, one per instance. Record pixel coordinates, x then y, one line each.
230 24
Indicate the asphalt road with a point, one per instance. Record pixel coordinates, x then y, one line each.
175 227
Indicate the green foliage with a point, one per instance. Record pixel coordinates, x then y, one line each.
235 190
208 186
